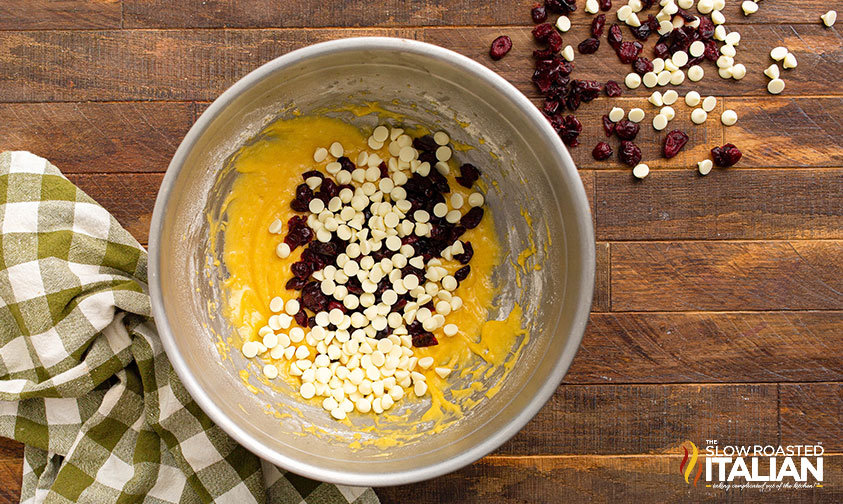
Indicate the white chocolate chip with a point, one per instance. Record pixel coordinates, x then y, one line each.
789 61
660 122
709 103
698 116
641 170
779 53
568 53
668 112
697 48
692 99
670 96
696 73
738 71
729 117
650 79
772 71
775 86
636 115
656 99
632 80
829 18
749 7
704 166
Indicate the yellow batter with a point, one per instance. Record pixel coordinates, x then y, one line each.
269 169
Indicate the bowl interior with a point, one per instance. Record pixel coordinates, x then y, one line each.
528 173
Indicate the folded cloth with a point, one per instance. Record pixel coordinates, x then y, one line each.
84 381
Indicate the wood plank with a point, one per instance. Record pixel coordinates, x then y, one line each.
632 419
11 473
645 478
10 449
747 204
59 14
710 347
811 413
730 276
348 13
97 137
200 64
602 281
787 132
130 197
281 14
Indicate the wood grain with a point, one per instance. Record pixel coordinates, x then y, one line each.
200 64
348 13
788 132
631 419
646 478
10 449
97 137
11 473
130 197
710 347
602 279
811 413
707 276
59 14
727 204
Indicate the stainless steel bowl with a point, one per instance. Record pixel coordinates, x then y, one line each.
530 171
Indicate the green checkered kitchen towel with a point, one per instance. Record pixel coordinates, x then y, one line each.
84 381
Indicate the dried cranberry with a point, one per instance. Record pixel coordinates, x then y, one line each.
660 50
561 6
313 298
424 339
312 173
589 46
462 273
539 14
642 32
500 46
384 170
302 269
726 156
586 90
605 5
301 318
626 129
706 28
613 89
608 125
472 218
554 41
542 31
468 175
681 41
615 36
642 65
346 164
336 305
711 52
629 153
627 52
467 254
597 25
550 107
299 205
296 283
571 129
673 143
602 151
687 16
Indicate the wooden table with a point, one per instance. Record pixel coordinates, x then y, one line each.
719 304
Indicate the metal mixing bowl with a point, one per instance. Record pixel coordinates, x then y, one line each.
528 169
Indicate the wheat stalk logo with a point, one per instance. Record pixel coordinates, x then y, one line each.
686 466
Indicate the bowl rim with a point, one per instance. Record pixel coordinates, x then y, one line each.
581 311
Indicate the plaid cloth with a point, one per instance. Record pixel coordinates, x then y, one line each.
84 381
